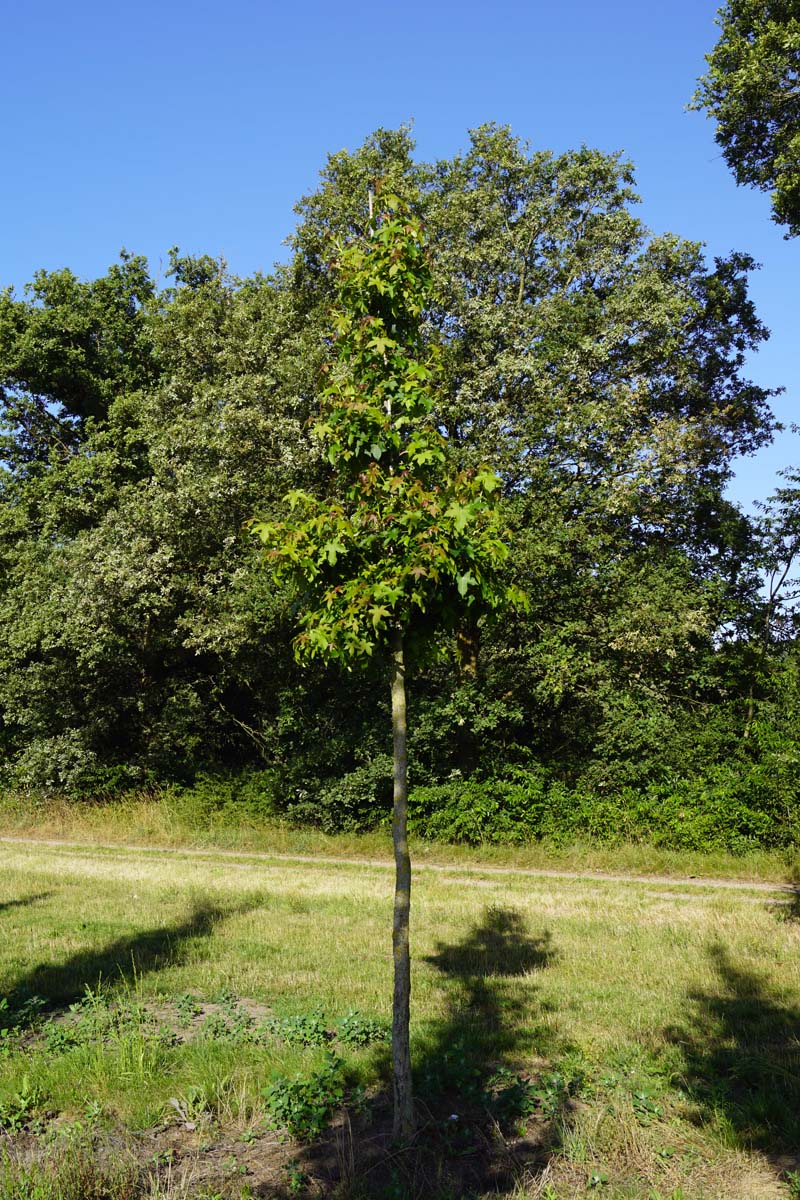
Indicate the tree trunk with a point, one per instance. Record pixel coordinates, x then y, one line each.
401 1053
467 646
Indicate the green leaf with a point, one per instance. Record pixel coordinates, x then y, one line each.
378 614
487 480
459 515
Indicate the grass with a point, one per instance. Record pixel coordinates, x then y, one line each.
168 820
571 1038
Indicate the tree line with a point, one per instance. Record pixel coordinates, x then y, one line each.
650 686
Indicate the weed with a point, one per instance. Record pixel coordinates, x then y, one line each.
187 1008
214 1027
70 1172
193 1107
17 1110
231 1165
28 1010
303 1105
306 1029
683 1048
512 1099
58 1037
354 1029
458 1137
241 1024
15 1020
233 1025
296 1178
226 997
644 1108
453 1070
9 1040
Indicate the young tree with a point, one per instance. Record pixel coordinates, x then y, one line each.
752 89
410 546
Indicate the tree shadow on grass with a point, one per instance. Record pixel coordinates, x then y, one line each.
489 1104
120 962
741 1049
789 910
24 901
492 1020
485 1074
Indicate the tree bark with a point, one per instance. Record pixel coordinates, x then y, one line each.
467 646
401 1054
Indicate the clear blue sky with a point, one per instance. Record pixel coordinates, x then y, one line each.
148 125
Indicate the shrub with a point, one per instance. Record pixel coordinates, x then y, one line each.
476 811
358 801
66 764
220 799
736 807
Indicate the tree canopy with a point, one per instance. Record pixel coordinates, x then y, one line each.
410 545
752 91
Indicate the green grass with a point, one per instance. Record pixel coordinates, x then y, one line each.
644 1035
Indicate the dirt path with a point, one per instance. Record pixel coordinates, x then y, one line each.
465 870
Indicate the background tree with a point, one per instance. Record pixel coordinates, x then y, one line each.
599 367
752 90
774 631
67 349
410 545
129 600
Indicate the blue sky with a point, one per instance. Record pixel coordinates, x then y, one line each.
149 125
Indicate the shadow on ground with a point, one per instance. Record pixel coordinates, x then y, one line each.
117 963
789 910
24 901
489 1106
741 1048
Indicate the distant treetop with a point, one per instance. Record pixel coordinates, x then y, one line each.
752 90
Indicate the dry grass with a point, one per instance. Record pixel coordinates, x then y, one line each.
162 820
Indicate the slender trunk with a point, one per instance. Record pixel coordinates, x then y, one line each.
467 644
401 1053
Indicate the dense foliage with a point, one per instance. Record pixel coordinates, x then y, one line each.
410 546
650 690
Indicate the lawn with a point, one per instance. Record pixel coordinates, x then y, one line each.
184 1025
